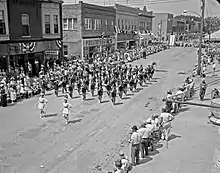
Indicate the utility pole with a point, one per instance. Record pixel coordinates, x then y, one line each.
161 22
201 37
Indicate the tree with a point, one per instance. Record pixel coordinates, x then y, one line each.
211 24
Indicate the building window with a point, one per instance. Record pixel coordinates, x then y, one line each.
70 24
74 23
87 24
25 25
97 24
126 23
122 24
65 24
106 24
55 23
2 22
65 50
47 24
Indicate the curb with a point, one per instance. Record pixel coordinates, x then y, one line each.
215 121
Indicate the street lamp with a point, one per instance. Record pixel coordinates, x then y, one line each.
201 33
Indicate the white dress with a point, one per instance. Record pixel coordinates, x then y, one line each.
66 108
42 103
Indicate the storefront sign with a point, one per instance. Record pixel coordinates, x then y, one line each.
24 2
98 42
51 52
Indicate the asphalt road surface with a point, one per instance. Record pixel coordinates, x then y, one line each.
97 132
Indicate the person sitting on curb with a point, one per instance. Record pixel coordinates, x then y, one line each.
118 167
126 165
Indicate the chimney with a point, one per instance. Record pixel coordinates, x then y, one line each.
145 8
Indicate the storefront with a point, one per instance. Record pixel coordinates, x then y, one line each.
28 56
92 46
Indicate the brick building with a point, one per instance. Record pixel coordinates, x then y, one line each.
132 24
87 29
165 29
30 33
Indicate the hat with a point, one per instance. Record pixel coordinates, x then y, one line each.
134 128
121 153
41 94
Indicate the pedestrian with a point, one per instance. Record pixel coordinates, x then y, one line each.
135 146
42 102
166 124
144 134
213 68
66 109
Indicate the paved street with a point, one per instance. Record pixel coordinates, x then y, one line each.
97 132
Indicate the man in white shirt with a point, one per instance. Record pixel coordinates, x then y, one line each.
167 118
144 134
135 146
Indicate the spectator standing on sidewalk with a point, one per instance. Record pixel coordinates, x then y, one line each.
135 146
213 68
144 134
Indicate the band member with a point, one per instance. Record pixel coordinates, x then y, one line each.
92 87
108 88
66 109
113 95
120 90
56 87
125 86
203 87
70 88
42 102
79 85
100 93
84 92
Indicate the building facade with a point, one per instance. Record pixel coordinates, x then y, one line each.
88 29
145 20
127 24
162 25
133 24
34 32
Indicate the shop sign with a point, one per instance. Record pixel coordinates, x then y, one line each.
51 52
14 48
98 42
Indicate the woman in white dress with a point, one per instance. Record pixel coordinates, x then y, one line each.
66 110
42 105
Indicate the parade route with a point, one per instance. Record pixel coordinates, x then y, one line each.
97 132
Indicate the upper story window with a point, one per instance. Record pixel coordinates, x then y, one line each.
65 50
47 24
106 24
69 24
87 24
55 23
25 24
126 24
97 24
65 24
122 24
2 22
